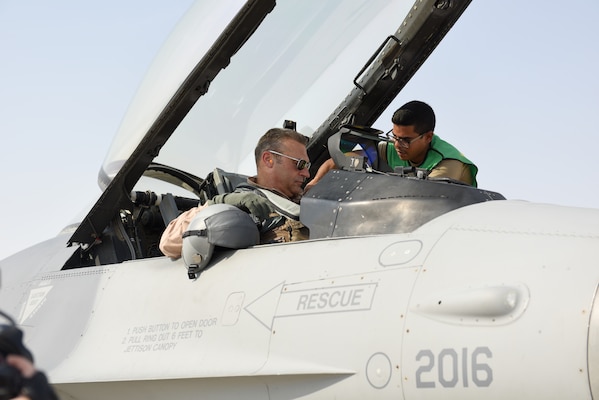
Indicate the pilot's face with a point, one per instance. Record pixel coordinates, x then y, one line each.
410 145
289 179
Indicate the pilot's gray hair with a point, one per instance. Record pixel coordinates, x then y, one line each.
273 140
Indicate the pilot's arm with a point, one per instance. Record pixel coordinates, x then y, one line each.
248 201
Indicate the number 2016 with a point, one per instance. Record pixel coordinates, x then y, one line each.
446 368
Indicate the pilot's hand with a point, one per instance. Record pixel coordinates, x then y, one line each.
250 202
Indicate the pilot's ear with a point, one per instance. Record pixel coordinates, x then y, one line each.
268 159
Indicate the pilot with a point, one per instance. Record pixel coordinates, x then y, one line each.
414 144
271 197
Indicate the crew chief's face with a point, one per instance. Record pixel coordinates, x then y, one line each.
411 146
288 178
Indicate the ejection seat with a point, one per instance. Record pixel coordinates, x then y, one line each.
226 182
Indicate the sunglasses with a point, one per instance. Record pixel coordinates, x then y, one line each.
300 164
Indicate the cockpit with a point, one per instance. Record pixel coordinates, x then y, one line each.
216 87
354 200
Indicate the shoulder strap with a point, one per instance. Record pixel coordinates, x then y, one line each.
382 150
383 162
282 205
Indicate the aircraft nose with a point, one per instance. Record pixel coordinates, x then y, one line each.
593 347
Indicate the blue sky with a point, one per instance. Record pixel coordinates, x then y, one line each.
514 86
68 73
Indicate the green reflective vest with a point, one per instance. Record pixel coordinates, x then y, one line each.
439 150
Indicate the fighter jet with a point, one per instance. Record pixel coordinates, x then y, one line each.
408 287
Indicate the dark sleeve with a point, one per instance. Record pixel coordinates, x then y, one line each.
38 388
